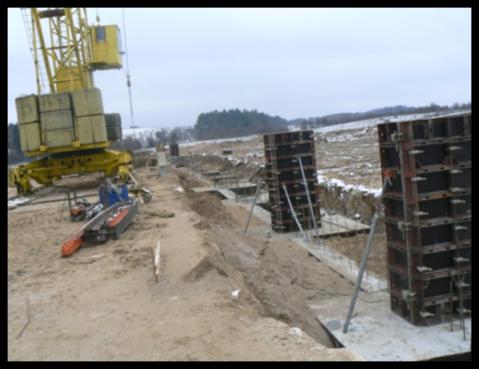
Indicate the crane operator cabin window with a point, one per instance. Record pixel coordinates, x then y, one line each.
100 34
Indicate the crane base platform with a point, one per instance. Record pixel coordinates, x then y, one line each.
49 168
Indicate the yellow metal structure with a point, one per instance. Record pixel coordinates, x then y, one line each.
66 51
48 169
106 47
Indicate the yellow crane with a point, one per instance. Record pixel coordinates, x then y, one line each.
64 125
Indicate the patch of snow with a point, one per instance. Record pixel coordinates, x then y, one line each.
220 140
17 201
335 182
341 138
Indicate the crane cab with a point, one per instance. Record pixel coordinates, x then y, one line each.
106 47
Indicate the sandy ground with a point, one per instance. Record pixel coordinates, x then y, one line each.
103 303
351 156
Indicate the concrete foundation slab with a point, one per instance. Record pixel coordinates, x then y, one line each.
377 334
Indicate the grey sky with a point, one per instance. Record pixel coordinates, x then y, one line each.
288 62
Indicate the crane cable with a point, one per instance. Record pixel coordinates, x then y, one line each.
128 80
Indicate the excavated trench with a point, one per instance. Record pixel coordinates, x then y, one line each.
280 279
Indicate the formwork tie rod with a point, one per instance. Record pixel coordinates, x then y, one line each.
252 205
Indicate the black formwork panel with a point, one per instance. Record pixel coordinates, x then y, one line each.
174 150
428 216
282 167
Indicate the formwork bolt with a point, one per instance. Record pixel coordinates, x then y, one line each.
460 259
460 228
415 152
455 171
420 213
458 201
418 179
423 269
426 314
397 137
408 295
404 226
456 189
454 148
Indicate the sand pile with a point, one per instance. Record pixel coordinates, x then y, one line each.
210 207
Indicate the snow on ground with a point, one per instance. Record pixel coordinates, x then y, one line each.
232 139
144 133
375 121
335 182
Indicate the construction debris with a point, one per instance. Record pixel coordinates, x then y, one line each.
159 213
155 251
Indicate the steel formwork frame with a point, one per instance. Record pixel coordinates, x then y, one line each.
428 216
282 168
174 150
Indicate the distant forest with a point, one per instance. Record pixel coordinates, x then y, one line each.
339 118
236 123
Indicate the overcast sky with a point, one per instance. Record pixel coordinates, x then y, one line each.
288 62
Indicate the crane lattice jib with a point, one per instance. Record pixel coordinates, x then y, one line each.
60 41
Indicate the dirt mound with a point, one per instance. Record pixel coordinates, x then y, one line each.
204 266
189 182
210 207
201 224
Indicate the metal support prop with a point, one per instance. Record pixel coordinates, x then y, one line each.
293 213
364 260
252 206
69 200
305 184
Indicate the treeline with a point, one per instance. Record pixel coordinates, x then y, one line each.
340 118
236 123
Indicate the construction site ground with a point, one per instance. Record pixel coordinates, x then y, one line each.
349 170
103 303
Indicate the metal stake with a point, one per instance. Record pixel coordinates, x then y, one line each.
461 307
364 260
310 205
69 200
293 213
252 206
